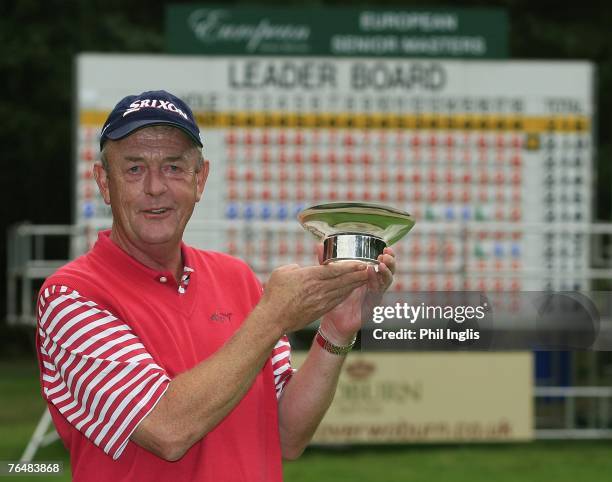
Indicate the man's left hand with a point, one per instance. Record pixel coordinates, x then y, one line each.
342 323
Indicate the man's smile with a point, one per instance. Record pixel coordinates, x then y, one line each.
157 212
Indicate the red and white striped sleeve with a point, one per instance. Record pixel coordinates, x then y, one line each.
281 364
95 370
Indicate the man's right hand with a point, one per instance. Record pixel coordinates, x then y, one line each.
295 296
198 399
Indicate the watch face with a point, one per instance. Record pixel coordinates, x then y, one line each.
383 222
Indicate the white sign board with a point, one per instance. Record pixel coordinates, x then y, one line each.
430 397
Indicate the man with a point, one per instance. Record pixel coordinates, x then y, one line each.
163 362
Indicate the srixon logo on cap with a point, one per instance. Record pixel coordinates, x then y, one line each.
156 104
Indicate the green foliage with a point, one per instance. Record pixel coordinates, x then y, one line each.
39 42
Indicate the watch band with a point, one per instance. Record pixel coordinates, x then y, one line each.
330 347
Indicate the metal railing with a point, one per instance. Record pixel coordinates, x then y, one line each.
27 262
569 395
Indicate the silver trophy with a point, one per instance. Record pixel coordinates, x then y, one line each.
355 230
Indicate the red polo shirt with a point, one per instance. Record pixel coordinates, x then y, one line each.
111 335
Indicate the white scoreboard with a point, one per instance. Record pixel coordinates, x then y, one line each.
493 158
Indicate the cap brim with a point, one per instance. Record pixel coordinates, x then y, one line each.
131 127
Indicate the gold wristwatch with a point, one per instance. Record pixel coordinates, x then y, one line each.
330 347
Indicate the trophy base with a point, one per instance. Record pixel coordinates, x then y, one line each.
352 247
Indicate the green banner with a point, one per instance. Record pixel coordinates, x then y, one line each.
346 32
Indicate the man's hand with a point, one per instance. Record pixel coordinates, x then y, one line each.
196 401
342 323
295 296
308 395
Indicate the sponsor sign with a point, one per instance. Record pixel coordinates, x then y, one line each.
430 397
448 33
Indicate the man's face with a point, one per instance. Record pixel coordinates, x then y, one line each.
152 185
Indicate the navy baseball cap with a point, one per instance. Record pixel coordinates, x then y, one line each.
155 107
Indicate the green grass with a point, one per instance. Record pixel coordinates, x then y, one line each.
21 406
538 462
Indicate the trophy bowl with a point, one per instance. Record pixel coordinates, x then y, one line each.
355 230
